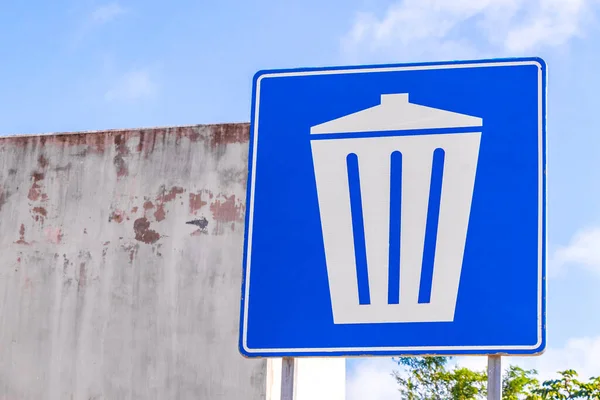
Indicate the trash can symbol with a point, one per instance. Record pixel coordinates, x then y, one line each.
394 187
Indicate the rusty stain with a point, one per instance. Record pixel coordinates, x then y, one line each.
21 141
188 132
228 210
140 145
120 141
165 197
147 140
93 142
121 144
43 161
196 202
170 196
121 166
194 136
117 216
37 176
151 148
191 132
132 249
40 210
159 214
22 236
215 135
54 235
35 190
163 134
143 233
97 142
229 133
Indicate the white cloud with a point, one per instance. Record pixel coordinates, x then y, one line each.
107 13
466 28
135 85
581 354
315 378
95 19
371 379
583 250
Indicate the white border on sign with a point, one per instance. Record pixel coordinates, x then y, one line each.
433 349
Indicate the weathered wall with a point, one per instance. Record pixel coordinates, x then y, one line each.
107 288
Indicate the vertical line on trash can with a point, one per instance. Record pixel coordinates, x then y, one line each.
395 222
358 228
433 214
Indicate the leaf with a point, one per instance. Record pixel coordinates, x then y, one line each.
430 378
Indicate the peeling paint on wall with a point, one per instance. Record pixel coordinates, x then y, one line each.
199 200
122 265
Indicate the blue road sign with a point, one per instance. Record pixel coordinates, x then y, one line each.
396 209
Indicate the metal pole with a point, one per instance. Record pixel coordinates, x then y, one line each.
494 378
287 378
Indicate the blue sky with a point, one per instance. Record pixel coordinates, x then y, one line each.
85 65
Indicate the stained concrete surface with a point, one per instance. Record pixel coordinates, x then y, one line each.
120 265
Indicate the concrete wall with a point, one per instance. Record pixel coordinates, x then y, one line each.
107 291
120 269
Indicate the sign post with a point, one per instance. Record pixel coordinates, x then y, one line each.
494 378
396 210
287 378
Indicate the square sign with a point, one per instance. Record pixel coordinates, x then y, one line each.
396 210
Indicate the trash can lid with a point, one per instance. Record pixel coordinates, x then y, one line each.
396 113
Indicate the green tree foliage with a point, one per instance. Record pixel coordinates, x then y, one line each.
431 378
518 384
568 386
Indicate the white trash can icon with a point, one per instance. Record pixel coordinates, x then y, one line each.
395 209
